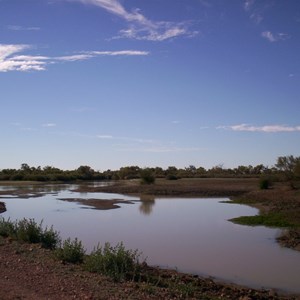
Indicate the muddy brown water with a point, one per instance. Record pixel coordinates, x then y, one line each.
190 234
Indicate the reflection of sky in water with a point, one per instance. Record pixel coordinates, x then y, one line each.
190 234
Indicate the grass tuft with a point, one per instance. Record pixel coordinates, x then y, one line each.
116 262
30 232
269 220
71 251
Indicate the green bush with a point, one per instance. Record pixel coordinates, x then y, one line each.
116 262
264 183
28 231
71 251
7 228
171 177
147 177
50 239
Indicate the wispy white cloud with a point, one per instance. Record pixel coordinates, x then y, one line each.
248 4
22 28
160 149
254 11
140 27
75 57
49 125
9 61
266 128
120 53
124 138
109 137
274 37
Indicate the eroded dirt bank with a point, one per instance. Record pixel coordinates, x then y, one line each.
29 272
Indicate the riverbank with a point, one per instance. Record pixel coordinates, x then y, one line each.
192 187
31 272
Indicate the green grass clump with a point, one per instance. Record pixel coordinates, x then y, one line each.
7 228
50 238
269 220
71 251
30 232
116 262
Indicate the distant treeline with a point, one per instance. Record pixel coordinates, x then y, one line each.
287 167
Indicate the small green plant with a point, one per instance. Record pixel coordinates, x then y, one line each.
116 262
7 228
71 251
50 238
28 231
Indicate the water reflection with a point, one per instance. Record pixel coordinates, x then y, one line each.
147 203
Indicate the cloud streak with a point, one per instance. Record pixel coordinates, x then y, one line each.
140 27
266 128
10 61
161 149
22 28
274 37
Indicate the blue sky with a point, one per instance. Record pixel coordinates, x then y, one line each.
111 83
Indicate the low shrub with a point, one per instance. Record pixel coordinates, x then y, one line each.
171 177
71 251
116 262
147 177
264 183
50 238
29 231
7 228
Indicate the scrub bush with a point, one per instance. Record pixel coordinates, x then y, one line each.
30 232
116 262
147 177
264 183
7 228
50 238
71 251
